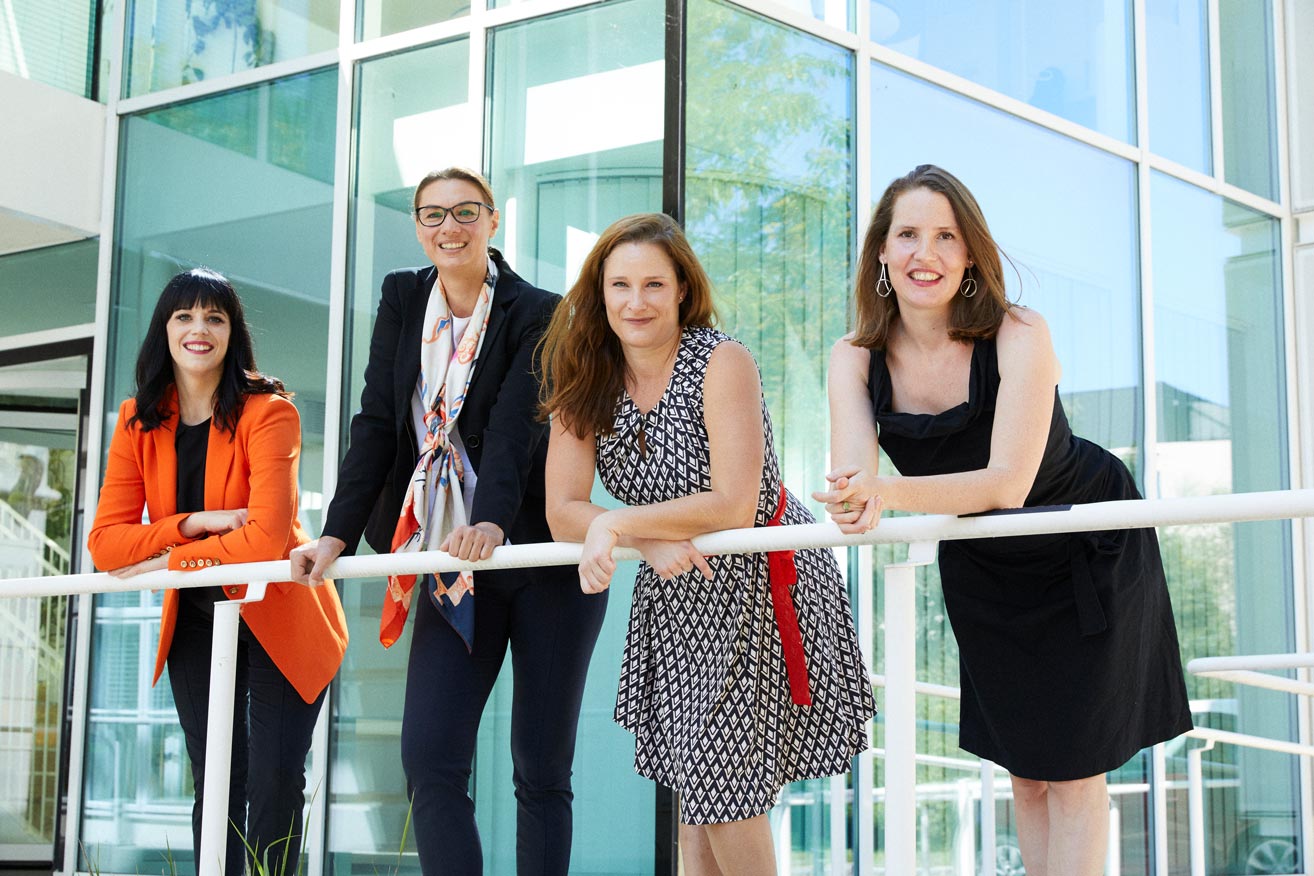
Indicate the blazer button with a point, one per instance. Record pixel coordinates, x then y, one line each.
232 591
472 441
209 562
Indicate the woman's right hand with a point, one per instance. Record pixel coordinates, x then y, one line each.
671 559
310 560
212 522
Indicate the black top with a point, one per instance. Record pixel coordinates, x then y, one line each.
190 443
1068 654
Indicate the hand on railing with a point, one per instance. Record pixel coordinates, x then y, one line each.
310 560
850 502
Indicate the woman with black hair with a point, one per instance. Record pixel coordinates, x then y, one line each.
209 446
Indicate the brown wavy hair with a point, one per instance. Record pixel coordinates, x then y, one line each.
583 365
976 317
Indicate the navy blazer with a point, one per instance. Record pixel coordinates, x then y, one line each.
498 424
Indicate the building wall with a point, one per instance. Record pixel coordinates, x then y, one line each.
1130 157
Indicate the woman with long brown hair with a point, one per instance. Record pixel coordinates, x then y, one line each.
1069 660
735 679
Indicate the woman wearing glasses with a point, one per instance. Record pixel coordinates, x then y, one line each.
447 453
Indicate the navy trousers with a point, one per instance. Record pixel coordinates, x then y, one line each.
551 627
272 726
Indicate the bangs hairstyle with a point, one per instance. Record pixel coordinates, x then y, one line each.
583 364
199 287
465 174
975 317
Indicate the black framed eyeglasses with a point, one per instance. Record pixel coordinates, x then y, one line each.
431 216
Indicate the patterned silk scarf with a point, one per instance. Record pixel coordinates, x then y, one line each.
433 506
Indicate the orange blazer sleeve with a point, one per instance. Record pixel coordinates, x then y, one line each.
261 477
118 537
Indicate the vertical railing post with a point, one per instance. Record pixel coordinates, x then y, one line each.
988 861
1195 806
219 731
901 709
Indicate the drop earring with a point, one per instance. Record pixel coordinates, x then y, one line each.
883 287
968 287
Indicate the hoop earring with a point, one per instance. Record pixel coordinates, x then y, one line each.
968 287
883 282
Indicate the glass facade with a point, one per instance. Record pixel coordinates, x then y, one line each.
50 41
49 287
172 43
1160 273
273 148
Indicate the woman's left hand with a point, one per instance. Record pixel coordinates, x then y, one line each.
473 542
596 565
853 505
154 564
670 559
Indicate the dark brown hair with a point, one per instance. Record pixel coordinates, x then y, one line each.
199 287
975 317
583 365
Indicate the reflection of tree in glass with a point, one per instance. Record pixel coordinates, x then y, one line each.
1200 564
210 18
768 206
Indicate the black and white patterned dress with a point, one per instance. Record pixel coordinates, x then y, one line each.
703 681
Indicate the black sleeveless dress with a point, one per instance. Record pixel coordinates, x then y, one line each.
1069 661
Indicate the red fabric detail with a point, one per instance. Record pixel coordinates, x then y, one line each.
783 574
397 603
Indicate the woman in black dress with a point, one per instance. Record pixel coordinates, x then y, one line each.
1069 659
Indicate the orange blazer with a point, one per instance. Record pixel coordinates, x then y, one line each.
302 628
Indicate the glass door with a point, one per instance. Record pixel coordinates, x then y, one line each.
42 401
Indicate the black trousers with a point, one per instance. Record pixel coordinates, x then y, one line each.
551 627
272 726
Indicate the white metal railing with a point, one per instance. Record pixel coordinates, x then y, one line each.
922 533
53 558
1252 671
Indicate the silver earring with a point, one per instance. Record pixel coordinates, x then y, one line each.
968 288
883 287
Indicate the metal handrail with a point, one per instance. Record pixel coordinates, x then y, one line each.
920 532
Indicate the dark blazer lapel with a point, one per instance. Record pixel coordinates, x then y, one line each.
414 300
506 292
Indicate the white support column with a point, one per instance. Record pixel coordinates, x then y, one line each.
901 708
1195 806
987 818
219 731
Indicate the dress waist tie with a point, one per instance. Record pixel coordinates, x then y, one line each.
783 575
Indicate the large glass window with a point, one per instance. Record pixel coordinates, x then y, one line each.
1077 65
49 41
408 122
575 140
1066 218
268 229
769 210
769 206
1218 344
383 17
49 287
173 43
1177 54
1247 54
